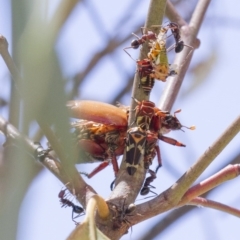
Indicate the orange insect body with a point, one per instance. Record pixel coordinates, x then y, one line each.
151 149
156 65
102 141
159 61
98 112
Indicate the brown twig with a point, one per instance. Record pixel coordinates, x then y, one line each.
17 79
163 224
173 15
189 34
228 173
7 58
199 201
13 135
124 182
77 184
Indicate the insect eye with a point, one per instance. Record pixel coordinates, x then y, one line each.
167 119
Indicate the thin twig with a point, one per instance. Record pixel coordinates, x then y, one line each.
17 79
205 160
7 58
173 15
182 60
53 165
163 224
202 202
12 133
155 16
14 136
228 173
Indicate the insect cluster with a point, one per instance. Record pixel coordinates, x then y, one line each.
156 65
102 132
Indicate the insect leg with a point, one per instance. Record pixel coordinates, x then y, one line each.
171 141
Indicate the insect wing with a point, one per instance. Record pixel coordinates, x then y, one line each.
136 140
144 113
150 148
98 112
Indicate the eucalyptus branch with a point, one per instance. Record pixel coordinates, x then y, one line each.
35 150
228 173
205 160
171 197
66 173
75 183
7 58
170 219
124 182
163 224
188 34
173 15
13 134
17 79
202 202
155 16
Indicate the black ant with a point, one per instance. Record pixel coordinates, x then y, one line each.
140 40
122 213
179 45
67 203
146 186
